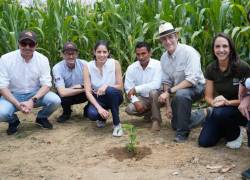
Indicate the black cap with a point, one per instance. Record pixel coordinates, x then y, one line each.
27 35
69 46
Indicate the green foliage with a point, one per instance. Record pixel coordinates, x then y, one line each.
123 23
131 129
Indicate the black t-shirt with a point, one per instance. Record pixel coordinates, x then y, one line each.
227 83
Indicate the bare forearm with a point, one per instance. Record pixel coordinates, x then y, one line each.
65 92
42 91
6 93
92 100
182 85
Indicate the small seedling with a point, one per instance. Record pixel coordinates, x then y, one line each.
131 129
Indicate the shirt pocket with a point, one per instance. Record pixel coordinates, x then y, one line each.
179 74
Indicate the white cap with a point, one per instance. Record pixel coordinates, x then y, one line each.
165 29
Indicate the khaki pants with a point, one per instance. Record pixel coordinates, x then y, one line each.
151 105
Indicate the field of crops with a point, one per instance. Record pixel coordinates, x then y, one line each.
123 23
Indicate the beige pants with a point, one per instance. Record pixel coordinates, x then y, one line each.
151 105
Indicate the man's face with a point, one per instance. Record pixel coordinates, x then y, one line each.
170 42
27 48
142 55
70 57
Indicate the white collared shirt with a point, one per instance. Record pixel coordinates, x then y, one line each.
143 80
183 64
22 77
107 77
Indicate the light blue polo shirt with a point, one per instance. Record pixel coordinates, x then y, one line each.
66 77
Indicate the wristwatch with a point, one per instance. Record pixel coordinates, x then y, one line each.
170 91
34 99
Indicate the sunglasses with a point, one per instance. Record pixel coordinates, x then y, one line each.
29 43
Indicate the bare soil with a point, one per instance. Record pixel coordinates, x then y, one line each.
78 150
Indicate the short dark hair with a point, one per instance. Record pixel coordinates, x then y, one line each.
233 56
143 44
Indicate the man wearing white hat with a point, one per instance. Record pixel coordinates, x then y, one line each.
182 77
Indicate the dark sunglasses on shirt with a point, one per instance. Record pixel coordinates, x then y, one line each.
29 43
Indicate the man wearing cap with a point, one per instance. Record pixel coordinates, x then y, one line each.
182 78
68 79
25 82
142 82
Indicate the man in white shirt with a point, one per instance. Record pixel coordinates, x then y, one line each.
182 77
68 79
25 82
142 84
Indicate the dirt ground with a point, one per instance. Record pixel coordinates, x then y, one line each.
79 150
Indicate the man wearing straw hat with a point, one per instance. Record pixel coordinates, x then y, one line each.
25 83
182 80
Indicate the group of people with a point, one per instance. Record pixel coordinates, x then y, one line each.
174 83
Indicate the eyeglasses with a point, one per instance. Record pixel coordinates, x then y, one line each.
29 43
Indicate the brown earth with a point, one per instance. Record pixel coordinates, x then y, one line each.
79 150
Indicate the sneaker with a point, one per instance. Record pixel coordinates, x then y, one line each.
100 124
13 127
63 118
179 138
235 144
118 132
156 126
43 122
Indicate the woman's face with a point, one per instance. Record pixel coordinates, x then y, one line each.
221 49
101 54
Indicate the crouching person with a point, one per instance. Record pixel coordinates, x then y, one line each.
103 85
68 79
25 82
142 84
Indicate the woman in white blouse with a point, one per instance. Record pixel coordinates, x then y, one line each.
103 85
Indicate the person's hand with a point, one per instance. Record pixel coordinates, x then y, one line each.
27 106
244 107
103 113
169 112
163 97
139 107
131 92
101 91
220 101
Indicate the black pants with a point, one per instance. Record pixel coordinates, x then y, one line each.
70 100
224 122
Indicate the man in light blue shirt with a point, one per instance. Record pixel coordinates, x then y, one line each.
68 79
182 77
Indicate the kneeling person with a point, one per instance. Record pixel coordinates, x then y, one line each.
142 84
25 82
68 78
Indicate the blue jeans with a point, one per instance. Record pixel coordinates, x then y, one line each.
111 100
49 101
223 122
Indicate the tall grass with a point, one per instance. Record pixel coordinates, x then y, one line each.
123 23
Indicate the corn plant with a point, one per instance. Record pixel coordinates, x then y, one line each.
131 129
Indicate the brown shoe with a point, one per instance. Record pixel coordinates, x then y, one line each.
156 126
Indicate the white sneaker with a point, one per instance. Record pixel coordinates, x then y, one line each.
100 124
118 132
235 144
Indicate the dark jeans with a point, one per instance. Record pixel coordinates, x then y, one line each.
111 100
223 122
182 106
71 100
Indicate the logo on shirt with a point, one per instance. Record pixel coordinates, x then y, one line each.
57 79
236 81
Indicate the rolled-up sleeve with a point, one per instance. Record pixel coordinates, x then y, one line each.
4 75
45 78
193 68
